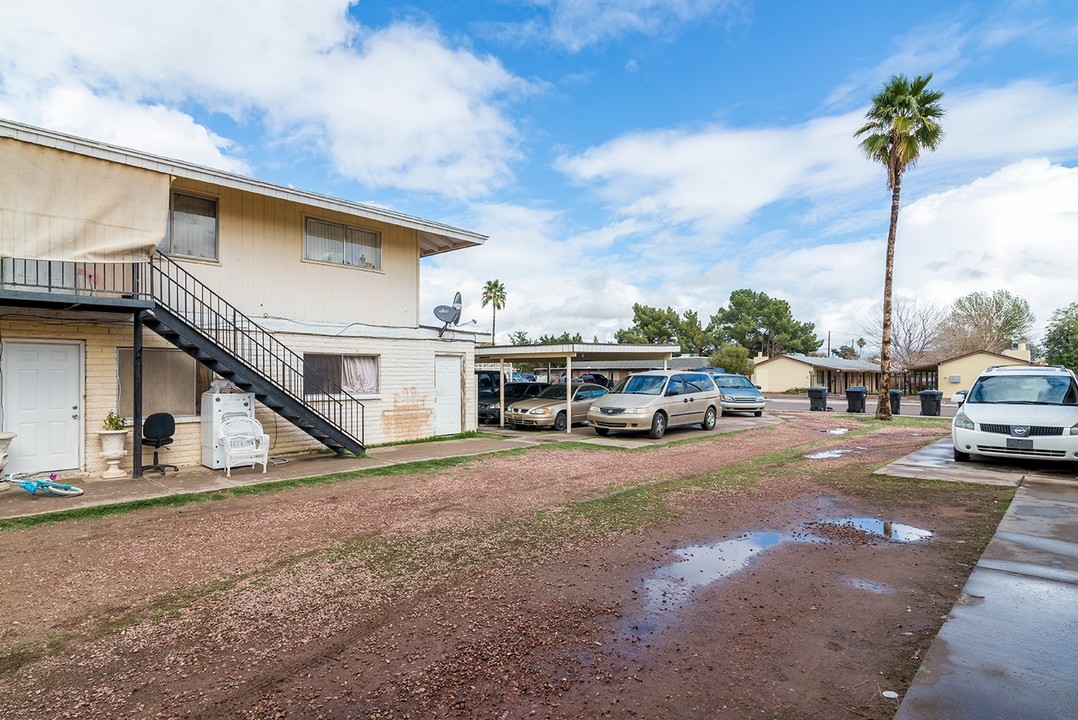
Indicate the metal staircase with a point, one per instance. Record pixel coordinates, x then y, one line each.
198 321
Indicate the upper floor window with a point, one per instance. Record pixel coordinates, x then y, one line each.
192 227
343 245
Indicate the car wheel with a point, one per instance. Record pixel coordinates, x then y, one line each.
559 422
709 419
658 426
602 431
960 456
758 413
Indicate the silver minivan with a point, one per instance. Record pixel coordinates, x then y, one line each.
655 400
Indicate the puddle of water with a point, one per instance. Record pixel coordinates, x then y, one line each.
701 565
868 585
836 431
887 529
824 454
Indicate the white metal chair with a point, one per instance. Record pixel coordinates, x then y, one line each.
244 443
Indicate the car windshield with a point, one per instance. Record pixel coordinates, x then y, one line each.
554 392
642 385
732 381
1024 390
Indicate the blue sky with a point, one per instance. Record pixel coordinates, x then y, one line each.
615 151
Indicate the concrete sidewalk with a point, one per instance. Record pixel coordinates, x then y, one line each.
198 479
1008 647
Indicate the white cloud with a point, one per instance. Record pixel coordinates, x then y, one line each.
578 24
717 178
391 107
159 130
1011 230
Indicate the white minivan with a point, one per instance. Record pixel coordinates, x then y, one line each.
655 400
1019 411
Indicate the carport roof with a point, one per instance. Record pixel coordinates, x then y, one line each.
586 352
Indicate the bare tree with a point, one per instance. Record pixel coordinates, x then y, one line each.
986 321
915 331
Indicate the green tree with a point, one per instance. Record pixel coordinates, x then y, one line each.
986 321
762 324
519 337
692 336
732 358
1061 337
846 352
565 338
651 326
494 295
902 121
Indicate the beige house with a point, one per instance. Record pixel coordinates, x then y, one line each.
783 373
131 282
958 373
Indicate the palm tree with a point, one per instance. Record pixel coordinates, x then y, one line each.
903 120
494 295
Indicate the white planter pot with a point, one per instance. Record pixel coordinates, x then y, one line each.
5 441
112 449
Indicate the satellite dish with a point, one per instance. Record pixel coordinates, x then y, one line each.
449 314
457 304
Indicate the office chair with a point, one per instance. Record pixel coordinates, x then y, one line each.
157 431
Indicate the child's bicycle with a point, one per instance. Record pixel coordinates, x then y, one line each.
32 486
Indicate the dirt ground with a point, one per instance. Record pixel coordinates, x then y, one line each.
709 579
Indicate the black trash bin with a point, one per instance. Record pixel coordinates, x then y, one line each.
930 401
818 398
855 398
896 402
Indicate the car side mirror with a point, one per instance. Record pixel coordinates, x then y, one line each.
759 388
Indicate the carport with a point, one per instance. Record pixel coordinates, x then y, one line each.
581 352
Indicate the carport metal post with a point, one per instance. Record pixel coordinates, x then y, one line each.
501 393
569 393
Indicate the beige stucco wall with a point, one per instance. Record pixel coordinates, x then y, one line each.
781 374
260 267
966 369
403 410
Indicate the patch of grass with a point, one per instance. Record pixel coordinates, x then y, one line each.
172 604
440 438
97 512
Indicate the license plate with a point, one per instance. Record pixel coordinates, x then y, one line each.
1019 444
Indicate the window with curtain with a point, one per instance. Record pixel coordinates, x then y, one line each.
342 245
192 230
172 382
322 374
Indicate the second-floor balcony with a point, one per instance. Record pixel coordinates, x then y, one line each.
73 285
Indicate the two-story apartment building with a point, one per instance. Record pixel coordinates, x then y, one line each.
131 282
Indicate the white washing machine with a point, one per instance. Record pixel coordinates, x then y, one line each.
216 408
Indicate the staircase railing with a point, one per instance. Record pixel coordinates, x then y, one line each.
179 292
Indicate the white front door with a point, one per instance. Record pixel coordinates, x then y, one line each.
42 404
447 394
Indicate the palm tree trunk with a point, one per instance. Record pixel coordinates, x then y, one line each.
883 405
493 322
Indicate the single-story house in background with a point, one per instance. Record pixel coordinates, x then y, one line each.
958 373
796 371
308 303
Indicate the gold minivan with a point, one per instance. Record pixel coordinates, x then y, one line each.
655 400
